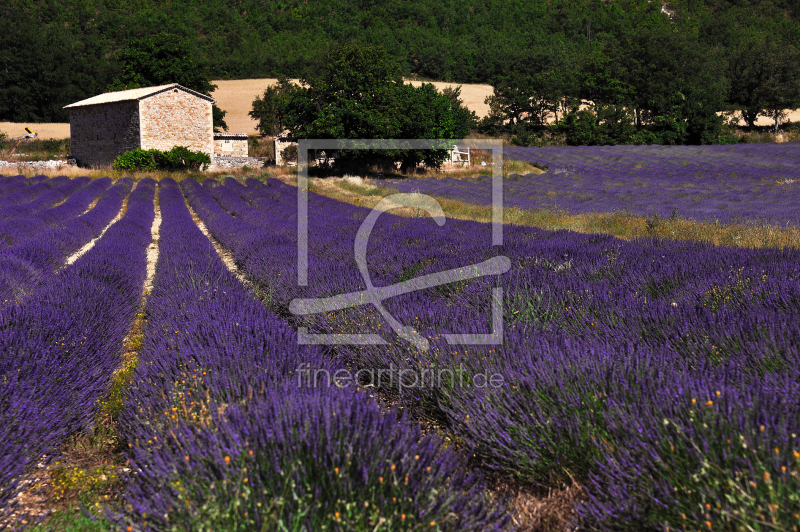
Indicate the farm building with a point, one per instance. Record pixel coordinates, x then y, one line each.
230 144
107 125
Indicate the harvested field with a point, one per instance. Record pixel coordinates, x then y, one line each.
45 131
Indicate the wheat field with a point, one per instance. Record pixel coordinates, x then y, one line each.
45 131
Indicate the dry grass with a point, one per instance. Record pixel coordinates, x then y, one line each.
794 116
620 224
45 131
236 97
534 510
74 171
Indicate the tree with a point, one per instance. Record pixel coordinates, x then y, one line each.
361 95
465 119
765 81
530 99
605 82
271 107
164 59
679 83
45 67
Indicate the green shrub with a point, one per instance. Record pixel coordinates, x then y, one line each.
290 153
137 159
178 158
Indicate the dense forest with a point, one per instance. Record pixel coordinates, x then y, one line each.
645 55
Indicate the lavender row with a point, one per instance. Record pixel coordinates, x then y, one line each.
60 348
15 231
742 183
58 192
29 189
629 366
34 260
224 437
11 184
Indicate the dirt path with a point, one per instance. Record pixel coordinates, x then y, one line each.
94 453
224 254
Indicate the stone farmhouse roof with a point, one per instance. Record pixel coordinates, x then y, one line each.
134 94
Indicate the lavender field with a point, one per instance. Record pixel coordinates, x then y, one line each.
660 377
739 183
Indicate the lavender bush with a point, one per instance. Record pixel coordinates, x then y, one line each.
57 190
746 182
41 247
661 375
17 230
60 348
12 184
223 438
29 190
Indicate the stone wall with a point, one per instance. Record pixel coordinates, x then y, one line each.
177 118
225 163
98 133
52 164
280 145
230 146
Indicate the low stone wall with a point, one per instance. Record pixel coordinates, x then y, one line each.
224 163
53 164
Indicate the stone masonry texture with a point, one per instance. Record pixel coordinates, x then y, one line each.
229 163
162 120
230 147
101 132
176 118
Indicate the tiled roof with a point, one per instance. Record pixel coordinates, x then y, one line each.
133 94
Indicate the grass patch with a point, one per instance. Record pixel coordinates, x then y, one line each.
73 520
36 149
514 166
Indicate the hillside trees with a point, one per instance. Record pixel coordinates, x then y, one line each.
55 52
44 67
653 84
679 83
163 59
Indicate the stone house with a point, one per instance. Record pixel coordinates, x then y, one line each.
107 125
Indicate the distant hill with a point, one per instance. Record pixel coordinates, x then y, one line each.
55 52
